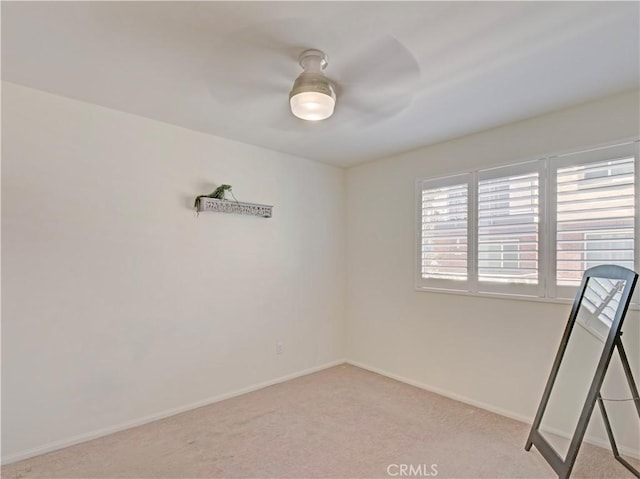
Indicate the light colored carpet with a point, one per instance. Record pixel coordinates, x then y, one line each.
343 422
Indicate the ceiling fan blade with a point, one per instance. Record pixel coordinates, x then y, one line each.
379 79
264 56
267 111
381 64
250 62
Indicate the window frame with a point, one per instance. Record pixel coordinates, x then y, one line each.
545 290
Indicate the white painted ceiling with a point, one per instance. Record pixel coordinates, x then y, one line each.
408 74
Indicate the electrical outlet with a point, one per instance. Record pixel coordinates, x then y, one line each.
279 347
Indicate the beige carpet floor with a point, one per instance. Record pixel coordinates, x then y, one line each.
342 422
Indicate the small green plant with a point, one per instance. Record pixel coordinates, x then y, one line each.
218 194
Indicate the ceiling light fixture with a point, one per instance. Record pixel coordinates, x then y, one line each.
312 97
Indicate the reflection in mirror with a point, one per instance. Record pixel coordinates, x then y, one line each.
584 348
599 305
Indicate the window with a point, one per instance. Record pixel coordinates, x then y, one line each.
444 223
530 229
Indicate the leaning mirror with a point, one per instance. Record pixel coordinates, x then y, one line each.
591 334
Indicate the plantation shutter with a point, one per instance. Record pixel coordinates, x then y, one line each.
509 229
595 214
444 216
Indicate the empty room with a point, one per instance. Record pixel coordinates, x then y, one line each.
320 239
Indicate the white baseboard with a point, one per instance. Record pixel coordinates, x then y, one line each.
604 443
52 446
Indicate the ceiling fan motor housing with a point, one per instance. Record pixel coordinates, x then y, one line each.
312 82
313 62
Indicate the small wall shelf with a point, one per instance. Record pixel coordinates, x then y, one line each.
236 207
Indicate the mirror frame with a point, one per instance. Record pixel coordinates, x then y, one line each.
561 466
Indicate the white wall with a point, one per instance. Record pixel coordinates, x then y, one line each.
492 352
119 304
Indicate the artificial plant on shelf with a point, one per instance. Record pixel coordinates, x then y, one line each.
218 194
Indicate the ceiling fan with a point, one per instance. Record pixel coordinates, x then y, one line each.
369 80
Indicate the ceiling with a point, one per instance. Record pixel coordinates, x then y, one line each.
408 74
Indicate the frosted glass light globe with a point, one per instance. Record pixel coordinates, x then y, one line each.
312 105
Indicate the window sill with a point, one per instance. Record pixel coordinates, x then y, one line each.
516 297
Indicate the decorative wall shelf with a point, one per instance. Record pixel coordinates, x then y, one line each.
236 207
